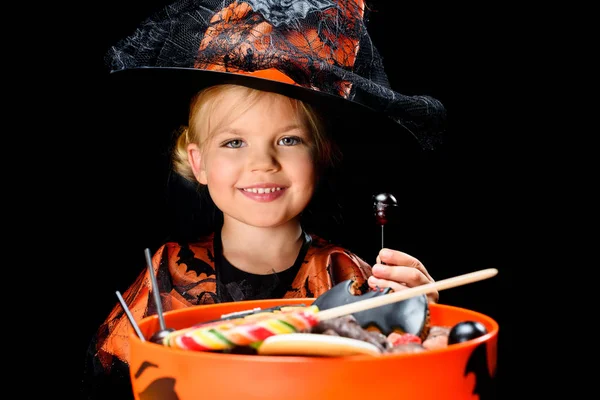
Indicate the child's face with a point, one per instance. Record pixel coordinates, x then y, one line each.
258 165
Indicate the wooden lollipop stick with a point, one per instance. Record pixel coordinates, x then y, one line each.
405 294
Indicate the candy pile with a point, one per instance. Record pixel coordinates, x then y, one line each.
245 335
251 330
437 337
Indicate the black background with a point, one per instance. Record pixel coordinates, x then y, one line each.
454 212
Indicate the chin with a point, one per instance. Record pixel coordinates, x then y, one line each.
267 222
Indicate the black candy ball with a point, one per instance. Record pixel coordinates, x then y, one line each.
466 330
381 203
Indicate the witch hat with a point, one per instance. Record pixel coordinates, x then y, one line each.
318 51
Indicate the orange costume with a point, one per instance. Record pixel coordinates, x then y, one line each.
188 275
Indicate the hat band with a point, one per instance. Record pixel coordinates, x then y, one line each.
271 74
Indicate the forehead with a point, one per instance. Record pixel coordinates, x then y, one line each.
243 98
233 105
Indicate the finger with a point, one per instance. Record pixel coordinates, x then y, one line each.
380 284
400 277
395 257
407 275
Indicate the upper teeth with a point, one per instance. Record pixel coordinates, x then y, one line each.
262 190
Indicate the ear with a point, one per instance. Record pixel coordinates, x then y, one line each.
197 163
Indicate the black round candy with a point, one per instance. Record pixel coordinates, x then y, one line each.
466 330
380 204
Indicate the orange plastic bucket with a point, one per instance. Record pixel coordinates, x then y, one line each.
460 371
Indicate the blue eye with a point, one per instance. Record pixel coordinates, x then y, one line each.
234 144
290 141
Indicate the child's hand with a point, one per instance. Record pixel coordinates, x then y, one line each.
400 271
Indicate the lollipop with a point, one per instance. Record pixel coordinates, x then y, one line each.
381 203
244 331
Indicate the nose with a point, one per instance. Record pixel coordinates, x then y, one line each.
263 158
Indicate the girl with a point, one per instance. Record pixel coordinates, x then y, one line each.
255 140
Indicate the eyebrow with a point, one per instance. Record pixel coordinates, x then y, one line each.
286 128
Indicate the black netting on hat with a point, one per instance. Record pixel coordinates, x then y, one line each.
322 45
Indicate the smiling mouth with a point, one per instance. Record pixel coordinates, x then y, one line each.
262 190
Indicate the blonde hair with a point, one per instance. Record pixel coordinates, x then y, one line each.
198 130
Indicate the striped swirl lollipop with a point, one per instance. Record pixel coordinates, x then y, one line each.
242 332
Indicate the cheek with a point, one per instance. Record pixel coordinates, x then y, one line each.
304 171
219 169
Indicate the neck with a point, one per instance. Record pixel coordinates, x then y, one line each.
261 250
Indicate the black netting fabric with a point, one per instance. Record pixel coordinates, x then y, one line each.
321 45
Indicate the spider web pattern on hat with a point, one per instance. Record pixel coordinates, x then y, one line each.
320 45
